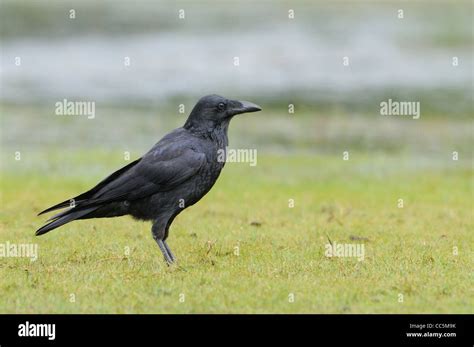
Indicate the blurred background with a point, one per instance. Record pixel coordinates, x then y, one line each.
282 61
173 61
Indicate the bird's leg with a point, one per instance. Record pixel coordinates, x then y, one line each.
169 251
158 232
166 236
169 259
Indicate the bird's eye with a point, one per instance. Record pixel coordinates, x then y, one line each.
221 106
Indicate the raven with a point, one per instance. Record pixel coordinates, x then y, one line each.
175 174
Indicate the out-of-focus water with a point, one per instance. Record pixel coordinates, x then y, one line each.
278 56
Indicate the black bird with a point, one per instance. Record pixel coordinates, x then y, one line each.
175 174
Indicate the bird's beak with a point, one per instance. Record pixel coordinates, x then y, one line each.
244 107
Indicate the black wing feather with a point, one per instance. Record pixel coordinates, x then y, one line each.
169 163
90 193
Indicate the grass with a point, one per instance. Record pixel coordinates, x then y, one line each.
114 266
421 252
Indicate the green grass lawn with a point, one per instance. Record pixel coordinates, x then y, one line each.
420 254
242 248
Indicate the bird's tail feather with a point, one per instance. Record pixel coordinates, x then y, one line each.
65 217
56 207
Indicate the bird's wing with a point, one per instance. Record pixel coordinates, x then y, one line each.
159 170
90 193
164 167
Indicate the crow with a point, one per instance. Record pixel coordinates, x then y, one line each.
173 175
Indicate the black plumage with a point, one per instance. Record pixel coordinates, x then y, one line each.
176 173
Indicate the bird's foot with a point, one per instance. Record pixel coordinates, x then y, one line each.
173 258
169 258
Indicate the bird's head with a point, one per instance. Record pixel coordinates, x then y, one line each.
213 110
